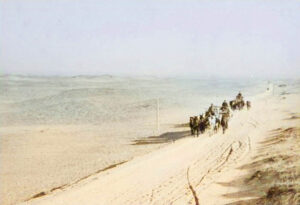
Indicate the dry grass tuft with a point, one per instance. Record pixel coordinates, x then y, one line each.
274 175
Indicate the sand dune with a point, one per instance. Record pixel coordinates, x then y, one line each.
190 170
60 133
57 130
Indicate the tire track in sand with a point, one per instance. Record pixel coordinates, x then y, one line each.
191 187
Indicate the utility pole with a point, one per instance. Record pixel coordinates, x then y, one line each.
157 116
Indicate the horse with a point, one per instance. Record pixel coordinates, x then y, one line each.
224 122
233 104
204 123
191 125
241 104
237 104
248 105
217 125
201 124
196 126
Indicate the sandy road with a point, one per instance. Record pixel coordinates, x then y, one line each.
175 174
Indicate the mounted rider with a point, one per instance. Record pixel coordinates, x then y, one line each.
225 110
211 109
239 97
240 101
224 105
225 115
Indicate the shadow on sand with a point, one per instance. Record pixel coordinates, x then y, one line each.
273 177
163 138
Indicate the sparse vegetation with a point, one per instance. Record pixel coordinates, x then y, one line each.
274 175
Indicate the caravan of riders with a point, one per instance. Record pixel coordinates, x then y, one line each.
216 117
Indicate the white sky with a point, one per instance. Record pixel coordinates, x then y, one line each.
191 38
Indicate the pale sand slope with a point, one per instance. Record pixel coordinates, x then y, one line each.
55 131
189 169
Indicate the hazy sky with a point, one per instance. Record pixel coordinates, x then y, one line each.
197 38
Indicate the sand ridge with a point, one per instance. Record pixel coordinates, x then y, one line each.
57 130
181 172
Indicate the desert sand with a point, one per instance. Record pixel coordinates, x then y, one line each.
85 140
56 131
190 170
